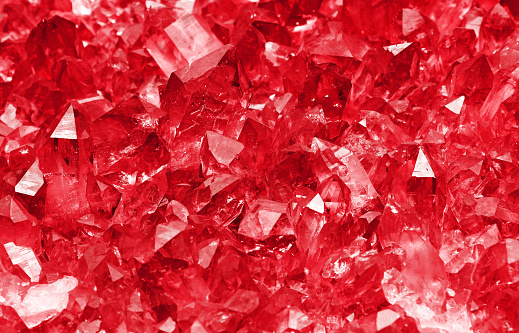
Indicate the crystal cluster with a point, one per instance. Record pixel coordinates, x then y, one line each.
259 166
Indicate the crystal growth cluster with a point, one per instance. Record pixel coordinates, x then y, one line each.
259 166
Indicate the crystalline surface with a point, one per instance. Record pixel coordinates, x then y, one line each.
422 168
66 128
191 38
45 301
309 166
456 105
31 181
223 149
25 258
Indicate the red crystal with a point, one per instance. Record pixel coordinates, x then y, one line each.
311 166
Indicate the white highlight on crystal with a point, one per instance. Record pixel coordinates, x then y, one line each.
386 318
456 105
25 258
9 117
66 128
31 181
397 48
223 149
45 301
316 204
512 250
422 167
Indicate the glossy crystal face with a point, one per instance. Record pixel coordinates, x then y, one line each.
259 166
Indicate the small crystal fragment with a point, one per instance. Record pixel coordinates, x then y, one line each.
167 325
422 167
512 250
347 166
486 206
11 209
316 204
397 48
66 128
115 274
9 117
261 219
411 21
45 301
223 149
202 65
216 184
292 318
135 302
386 318
244 301
31 181
25 258
206 252
191 38
95 255
456 105
167 231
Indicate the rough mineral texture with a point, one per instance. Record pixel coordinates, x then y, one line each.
259 166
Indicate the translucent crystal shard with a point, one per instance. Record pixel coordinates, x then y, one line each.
292 318
422 167
202 65
386 318
206 252
9 117
164 53
11 209
456 105
168 325
243 301
25 258
263 216
223 149
31 181
45 301
316 204
411 21
192 38
346 165
165 232
397 48
512 251
115 274
135 304
66 128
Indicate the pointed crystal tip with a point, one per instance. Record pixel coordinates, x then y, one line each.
422 168
66 128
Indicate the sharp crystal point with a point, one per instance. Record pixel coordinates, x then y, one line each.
223 149
456 105
66 128
165 232
422 168
31 181
397 48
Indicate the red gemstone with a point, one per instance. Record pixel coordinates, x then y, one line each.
310 166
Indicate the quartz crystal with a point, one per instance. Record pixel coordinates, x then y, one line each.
221 166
